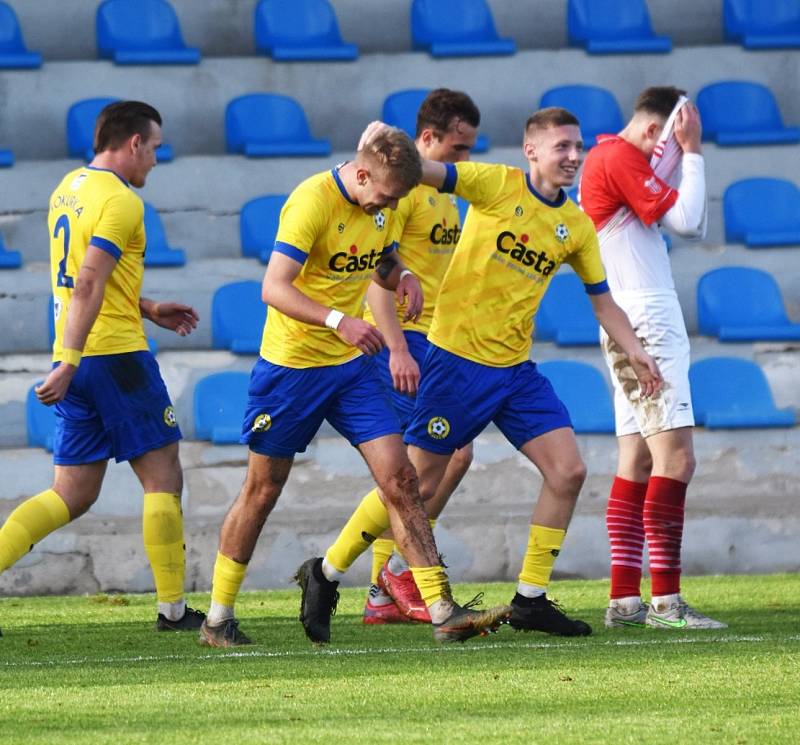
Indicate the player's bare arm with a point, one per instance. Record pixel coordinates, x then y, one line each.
182 319
82 312
279 292
392 274
613 319
402 365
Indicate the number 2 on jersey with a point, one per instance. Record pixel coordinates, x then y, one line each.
63 279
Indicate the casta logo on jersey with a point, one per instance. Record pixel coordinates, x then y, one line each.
518 249
441 235
351 261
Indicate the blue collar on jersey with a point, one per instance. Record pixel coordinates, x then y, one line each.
338 180
108 170
559 200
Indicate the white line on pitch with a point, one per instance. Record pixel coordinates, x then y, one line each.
330 652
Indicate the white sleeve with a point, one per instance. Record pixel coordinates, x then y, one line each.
688 216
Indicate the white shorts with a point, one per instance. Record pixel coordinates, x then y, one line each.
657 319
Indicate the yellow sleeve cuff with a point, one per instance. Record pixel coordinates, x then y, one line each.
71 357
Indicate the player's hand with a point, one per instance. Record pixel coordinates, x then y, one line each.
373 130
688 129
361 334
55 385
182 319
405 371
647 372
409 293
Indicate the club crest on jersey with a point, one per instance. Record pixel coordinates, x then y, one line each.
169 417
340 227
262 423
561 232
432 201
438 427
518 211
652 185
380 220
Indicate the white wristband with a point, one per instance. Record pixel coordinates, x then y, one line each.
405 272
334 319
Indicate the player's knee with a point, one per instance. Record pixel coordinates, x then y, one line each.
569 477
261 491
401 485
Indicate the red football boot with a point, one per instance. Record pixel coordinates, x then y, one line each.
403 590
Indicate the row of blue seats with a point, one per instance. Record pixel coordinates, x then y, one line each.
148 31
734 112
727 393
758 212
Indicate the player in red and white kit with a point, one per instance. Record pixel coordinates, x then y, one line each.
650 174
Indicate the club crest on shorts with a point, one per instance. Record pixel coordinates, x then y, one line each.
262 423
380 220
438 428
169 417
561 232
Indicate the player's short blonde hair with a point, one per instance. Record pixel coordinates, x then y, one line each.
552 116
394 153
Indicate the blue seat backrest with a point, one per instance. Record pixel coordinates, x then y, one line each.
295 23
220 400
400 109
737 106
451 20
738 296
565 314
760 205
154 230
11 40
258 224
237 312
596 108
264 117
743 17
607 19
81 119
136 25
583 390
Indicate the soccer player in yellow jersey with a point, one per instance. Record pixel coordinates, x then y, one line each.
520 228
429 225
109 398
334 236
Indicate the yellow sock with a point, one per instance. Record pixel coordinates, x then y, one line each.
432 583
365 525
382 549
34 519
540 555
162 529
228 578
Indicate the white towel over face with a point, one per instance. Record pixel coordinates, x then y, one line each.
666 158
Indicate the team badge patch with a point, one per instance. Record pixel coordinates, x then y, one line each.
518 211
561 232
262 423
380 220
169 417
438 428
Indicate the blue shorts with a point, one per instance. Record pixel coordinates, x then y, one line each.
286 406
458 398
116 406
403 403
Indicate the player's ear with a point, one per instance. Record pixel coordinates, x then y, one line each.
135 142
529 149
362 176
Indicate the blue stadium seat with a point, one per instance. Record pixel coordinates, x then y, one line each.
41 421
456 28
158 252
613 27
6 158
738 112
13 52
584 392
300 31
565 315
269 125
732 393
762 24
258 224
81 119
596 108
237 317
141 32
736 303
400 110
762 212
9 259
220 400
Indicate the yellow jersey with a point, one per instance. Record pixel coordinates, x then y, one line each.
428 225
513 242
339 246
95 206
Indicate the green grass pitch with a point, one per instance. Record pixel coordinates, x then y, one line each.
93 670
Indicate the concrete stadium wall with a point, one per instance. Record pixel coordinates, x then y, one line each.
225 27
742 515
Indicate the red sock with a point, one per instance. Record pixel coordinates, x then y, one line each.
626 536
663 524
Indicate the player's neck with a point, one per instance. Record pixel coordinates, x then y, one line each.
633 134
347 175
543 186
108 162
